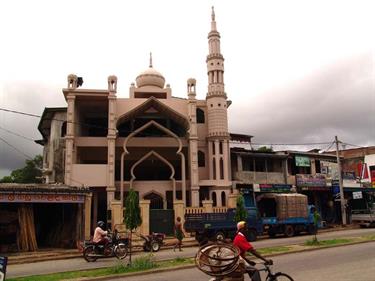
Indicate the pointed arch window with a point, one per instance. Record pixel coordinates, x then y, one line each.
214 200
200 116
223 199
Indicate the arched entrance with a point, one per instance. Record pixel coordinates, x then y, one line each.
156 201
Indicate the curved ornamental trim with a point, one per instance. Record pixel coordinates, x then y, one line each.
179 152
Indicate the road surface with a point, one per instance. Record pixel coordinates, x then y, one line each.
346 263
46 267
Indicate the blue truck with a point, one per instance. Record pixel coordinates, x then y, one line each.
287 214
219 226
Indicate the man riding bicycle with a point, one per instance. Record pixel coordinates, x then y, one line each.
240 241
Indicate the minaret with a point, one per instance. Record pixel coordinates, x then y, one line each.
218 136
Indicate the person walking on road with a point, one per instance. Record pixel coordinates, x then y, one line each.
179 234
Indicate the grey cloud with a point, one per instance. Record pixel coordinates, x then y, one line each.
336 100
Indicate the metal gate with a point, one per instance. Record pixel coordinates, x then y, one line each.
162 221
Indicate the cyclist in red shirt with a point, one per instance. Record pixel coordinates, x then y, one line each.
244 246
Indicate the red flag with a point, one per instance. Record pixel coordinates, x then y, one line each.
364 172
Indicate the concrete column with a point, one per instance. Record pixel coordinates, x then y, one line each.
145 214
69 139
117 214
312 166
87 217
209 161
232 200
94 208
226 160
179 210
207 205
195 197
183 177
285 170
217 160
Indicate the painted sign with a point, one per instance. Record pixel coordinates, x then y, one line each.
3 267
357 195
311 180
41 198
275 187
329 169
302 161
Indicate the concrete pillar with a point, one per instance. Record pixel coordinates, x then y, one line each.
69 140
87 217
209 161
145 214
232 200
117 214
226 160
195 197
179 210
217 160
207 205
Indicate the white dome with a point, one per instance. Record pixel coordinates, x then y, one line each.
150 77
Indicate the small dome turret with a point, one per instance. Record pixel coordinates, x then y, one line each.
150 77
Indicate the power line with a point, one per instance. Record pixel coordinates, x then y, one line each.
15 148
312 143
18 135
55 119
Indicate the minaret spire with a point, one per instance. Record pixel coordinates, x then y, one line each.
213 22
150 60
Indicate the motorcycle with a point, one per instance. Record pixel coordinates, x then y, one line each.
116 247
153 242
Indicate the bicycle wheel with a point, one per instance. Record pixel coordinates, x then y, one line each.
280 277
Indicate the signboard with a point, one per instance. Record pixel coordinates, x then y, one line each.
275 187
357 195
41 198
311 180
329 169
3 267
302 161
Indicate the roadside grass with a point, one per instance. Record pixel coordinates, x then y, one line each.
148 262
313 242
143 263
273 250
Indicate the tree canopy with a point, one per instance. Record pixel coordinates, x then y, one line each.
241 213
30 173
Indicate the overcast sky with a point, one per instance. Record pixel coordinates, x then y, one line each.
296 71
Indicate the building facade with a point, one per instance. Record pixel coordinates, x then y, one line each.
167 149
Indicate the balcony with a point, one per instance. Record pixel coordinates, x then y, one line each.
90 174
260 177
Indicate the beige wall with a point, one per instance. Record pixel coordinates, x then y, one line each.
90 175
260 177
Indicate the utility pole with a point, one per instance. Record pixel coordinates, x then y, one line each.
342 199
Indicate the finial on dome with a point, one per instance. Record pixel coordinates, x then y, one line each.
213 14
150 60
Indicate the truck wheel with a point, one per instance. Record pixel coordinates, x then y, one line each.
271 233
289 230
219 236
252 235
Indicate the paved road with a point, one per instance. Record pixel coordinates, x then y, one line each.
348 263
45 267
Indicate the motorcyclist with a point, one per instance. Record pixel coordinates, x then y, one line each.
100 235
240 241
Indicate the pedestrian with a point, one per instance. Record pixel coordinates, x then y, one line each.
179 234
244 246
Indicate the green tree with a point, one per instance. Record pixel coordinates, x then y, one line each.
31 173
241 213
265 149
132 217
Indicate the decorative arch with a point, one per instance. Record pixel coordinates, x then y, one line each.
156 199
161 107
179 152
157 155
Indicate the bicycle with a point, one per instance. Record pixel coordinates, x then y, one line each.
278 276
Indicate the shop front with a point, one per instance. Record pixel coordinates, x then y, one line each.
318 194
42 216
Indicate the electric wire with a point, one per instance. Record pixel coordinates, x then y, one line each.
18 135
16 149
